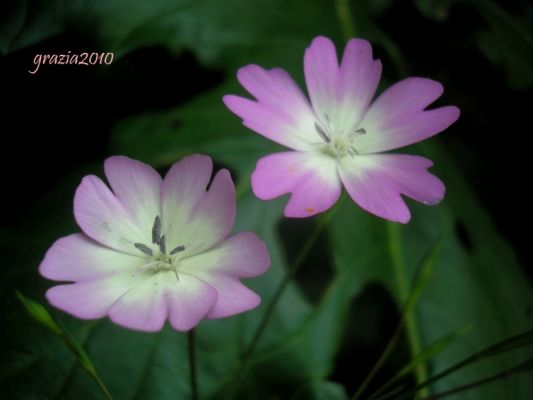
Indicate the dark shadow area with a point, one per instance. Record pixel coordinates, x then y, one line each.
463 235
316 272
372 320
59 119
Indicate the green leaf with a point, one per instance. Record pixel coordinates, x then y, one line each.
509 42
27 22
439 10
322 390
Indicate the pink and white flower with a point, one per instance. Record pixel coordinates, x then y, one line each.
336 139
154 249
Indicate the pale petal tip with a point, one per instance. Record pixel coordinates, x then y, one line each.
455 113
242 72
248 302
227 99
57 298
46 269
262 256
403 220
116 158
125 323
233 102
321 40
223 178
430 84
400 217
194 161
357 45
119 161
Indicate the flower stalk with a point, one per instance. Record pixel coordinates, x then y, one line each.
267 316
191 346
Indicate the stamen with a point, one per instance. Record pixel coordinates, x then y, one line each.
321 133
156 230
148 266
145 249
163 245
352 151
177 250
177 277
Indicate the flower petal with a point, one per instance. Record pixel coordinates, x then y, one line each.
137 186
103 217
376 183
140 301
242 255
358 79
188 301
78 258
322 75
281 113
233 297
143 307
311 178
93 299
397 118
193 217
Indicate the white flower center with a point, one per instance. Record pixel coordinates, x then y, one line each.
337 142
160 260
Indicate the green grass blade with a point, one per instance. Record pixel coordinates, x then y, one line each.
512 343
422 357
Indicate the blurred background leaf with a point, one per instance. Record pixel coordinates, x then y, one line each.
509 42
336 318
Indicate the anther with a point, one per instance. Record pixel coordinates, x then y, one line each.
177 250
163 245
156 230
361 131
145 249
352 151
322 134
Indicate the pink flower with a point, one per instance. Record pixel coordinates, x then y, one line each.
338 137
155 249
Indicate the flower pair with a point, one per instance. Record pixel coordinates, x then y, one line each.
154 249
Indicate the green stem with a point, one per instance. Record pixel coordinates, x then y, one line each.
395 247
344 14
191 342
283 285
267 316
